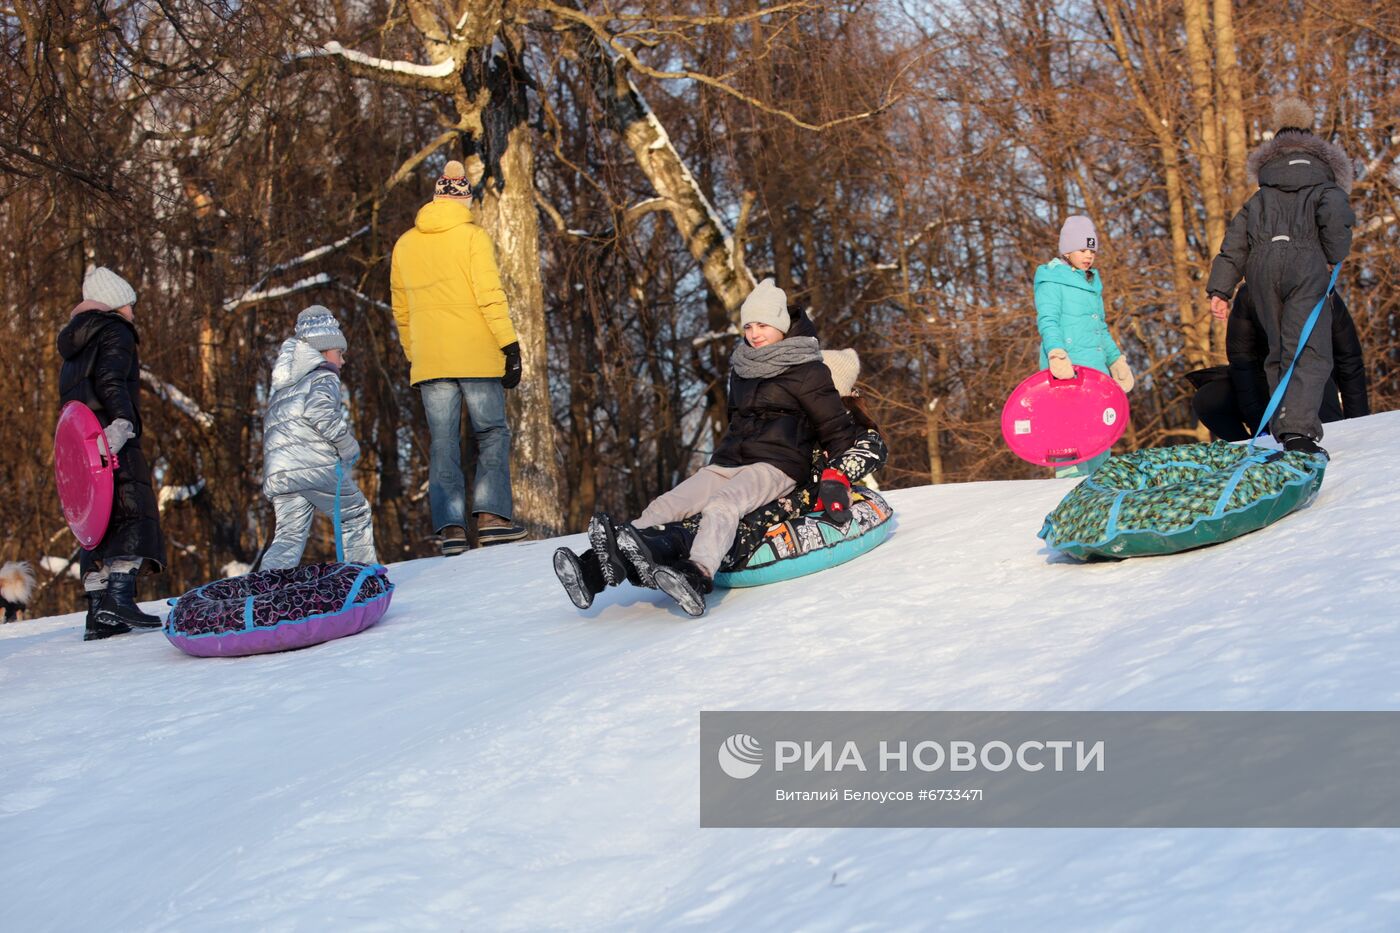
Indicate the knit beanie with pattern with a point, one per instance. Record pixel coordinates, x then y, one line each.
318 327
453 185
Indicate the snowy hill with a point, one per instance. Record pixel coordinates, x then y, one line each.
489 758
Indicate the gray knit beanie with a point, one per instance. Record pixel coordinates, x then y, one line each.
104 286
766 304
845 369
1078 233
318 327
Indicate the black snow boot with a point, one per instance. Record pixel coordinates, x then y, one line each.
645 549
96 628
119 605
580 574
687 584
1302 443
602 538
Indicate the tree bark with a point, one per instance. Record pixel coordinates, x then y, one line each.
1212 192
511 217
1231 104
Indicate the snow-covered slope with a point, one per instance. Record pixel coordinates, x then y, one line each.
487 757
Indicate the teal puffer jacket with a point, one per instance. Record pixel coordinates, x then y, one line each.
1069 314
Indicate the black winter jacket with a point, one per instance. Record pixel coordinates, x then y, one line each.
777 420
101 369
1304 182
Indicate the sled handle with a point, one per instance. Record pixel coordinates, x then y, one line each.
100 453
1062 454
1073 382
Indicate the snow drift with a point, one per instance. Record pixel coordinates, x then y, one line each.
487 756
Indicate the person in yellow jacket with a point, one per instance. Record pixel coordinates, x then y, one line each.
455 328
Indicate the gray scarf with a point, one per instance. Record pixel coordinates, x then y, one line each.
766 362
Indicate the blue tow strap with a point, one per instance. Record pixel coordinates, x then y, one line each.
1277 397
335 517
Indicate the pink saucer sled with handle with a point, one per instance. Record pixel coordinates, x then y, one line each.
1061 422
84 468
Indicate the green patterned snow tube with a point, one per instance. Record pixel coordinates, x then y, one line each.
1169 499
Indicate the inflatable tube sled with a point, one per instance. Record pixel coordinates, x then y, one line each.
279 610
810 543
1169 499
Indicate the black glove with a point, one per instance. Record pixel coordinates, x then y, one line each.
834 495
512 377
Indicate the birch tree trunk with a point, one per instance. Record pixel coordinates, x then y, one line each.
1227 65
1198 56
706 236
1146 89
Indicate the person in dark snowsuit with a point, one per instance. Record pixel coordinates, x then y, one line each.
582 574
102 370
1284 241
1230 400
781 400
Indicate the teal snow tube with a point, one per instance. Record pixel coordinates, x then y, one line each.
1169 499
810 543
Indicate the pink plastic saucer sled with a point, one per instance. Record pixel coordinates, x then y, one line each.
1060 422
84 469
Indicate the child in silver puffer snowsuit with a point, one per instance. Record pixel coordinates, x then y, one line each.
306 436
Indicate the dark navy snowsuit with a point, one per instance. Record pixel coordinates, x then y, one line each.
1283 241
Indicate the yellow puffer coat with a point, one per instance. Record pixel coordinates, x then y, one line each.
452 313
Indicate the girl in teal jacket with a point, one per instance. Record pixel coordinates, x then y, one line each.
1069 314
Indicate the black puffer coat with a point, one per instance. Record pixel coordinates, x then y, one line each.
101 369
778 419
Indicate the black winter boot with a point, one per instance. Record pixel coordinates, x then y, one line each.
1302 443
580 574
119 605
602 537
687 584
645 549
96 628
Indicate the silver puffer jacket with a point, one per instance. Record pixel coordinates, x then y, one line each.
304 432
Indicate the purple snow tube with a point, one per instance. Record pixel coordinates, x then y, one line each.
279 610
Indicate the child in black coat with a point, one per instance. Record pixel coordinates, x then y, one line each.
782 402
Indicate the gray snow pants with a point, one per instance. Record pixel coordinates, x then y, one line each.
1286 281
294 513
721 496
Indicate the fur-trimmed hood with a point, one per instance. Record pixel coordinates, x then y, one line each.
1331 156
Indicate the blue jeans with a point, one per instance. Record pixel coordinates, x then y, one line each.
447 488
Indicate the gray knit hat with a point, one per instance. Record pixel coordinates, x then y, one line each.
766 304
1078 233
845 369
318 327
104 286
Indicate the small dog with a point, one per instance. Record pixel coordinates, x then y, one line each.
16 586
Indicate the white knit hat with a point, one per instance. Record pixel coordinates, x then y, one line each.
845 369
104 286
766 304
1078 233
318 327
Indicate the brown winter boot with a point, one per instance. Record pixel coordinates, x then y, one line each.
453 540
493 529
